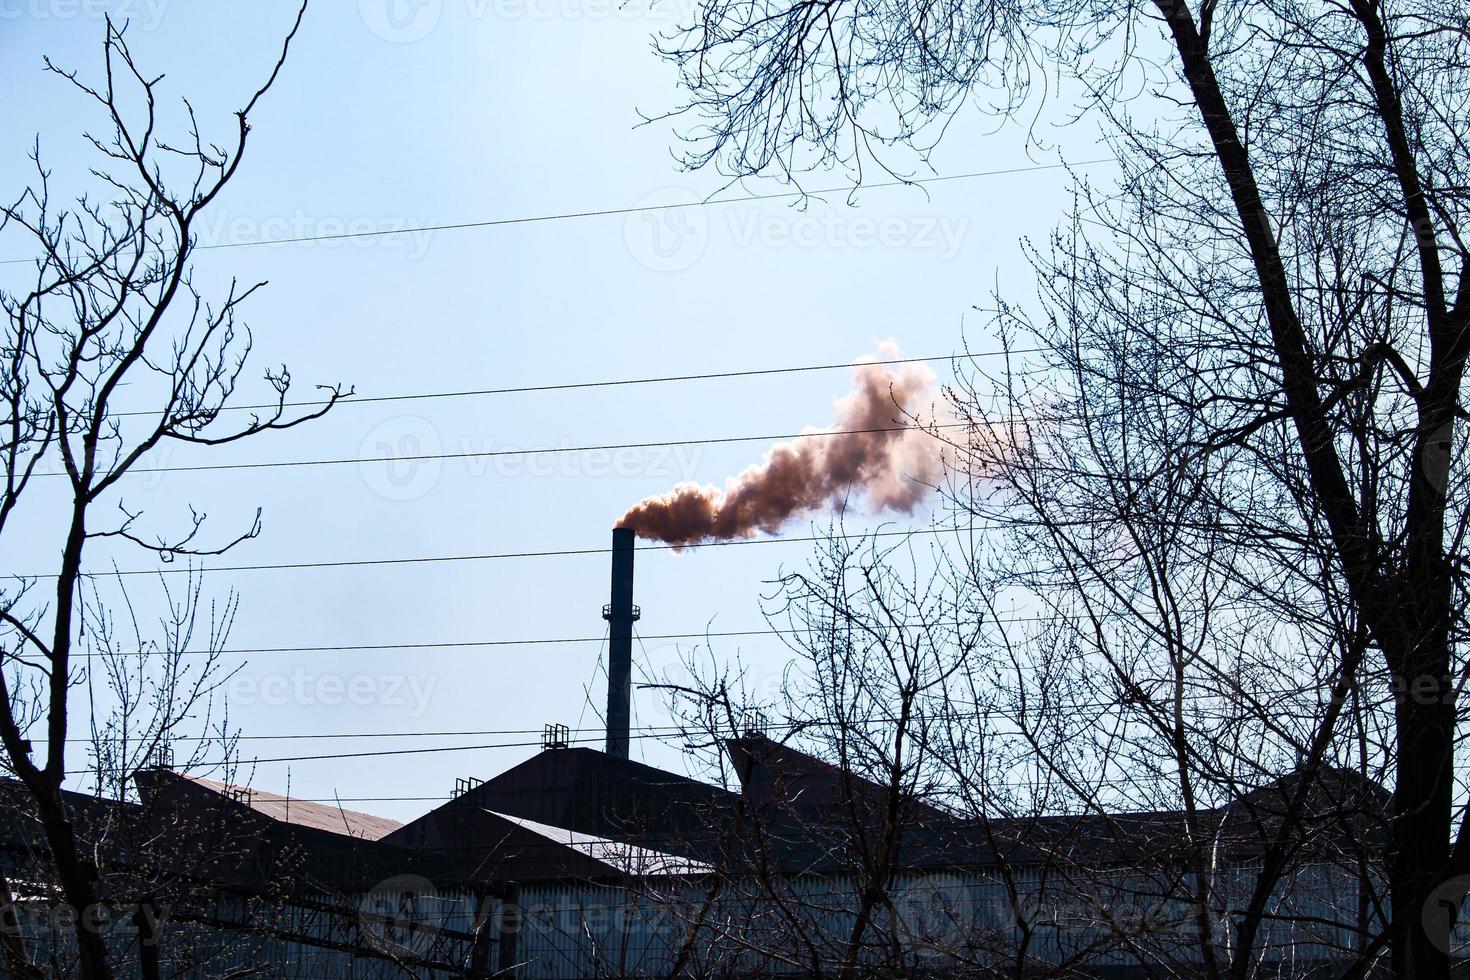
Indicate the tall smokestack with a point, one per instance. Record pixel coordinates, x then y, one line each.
620 614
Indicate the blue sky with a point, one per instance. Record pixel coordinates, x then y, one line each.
394 114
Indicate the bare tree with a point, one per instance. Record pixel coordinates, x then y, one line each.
855 847
977 792
1285 249
110 352
148 685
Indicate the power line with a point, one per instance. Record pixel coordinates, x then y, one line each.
379 753
648 208
460 733
368 799
653 731
494 556
368 754
490 453
612 383
440 645
666 732
638 209
996 524
1114 614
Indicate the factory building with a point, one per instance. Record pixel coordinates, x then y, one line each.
578 863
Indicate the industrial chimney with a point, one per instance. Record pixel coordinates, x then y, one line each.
620 614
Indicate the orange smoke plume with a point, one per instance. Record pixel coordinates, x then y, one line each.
891 469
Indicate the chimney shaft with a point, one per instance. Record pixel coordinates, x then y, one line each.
620 614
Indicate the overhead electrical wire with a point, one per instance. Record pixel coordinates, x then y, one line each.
633 209
564 640
653 731
546 450
526 389
611 383
790 726
460 733
490 556
440 645
648 208
997 524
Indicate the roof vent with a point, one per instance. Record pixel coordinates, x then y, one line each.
163 756
755 723
556 737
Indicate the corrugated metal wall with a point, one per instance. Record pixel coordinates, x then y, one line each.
936 923
331 937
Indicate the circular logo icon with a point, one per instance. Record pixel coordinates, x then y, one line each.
935 915
667 231
399 459
1438 455
401 21
401 915
1443 909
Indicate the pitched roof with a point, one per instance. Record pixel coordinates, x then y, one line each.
773 773
625 858
303 813
254 837
609 797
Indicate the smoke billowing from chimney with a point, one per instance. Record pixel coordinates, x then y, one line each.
889 470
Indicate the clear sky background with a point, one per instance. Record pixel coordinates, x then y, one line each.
405 113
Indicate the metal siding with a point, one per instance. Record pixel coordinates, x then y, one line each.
1111 918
